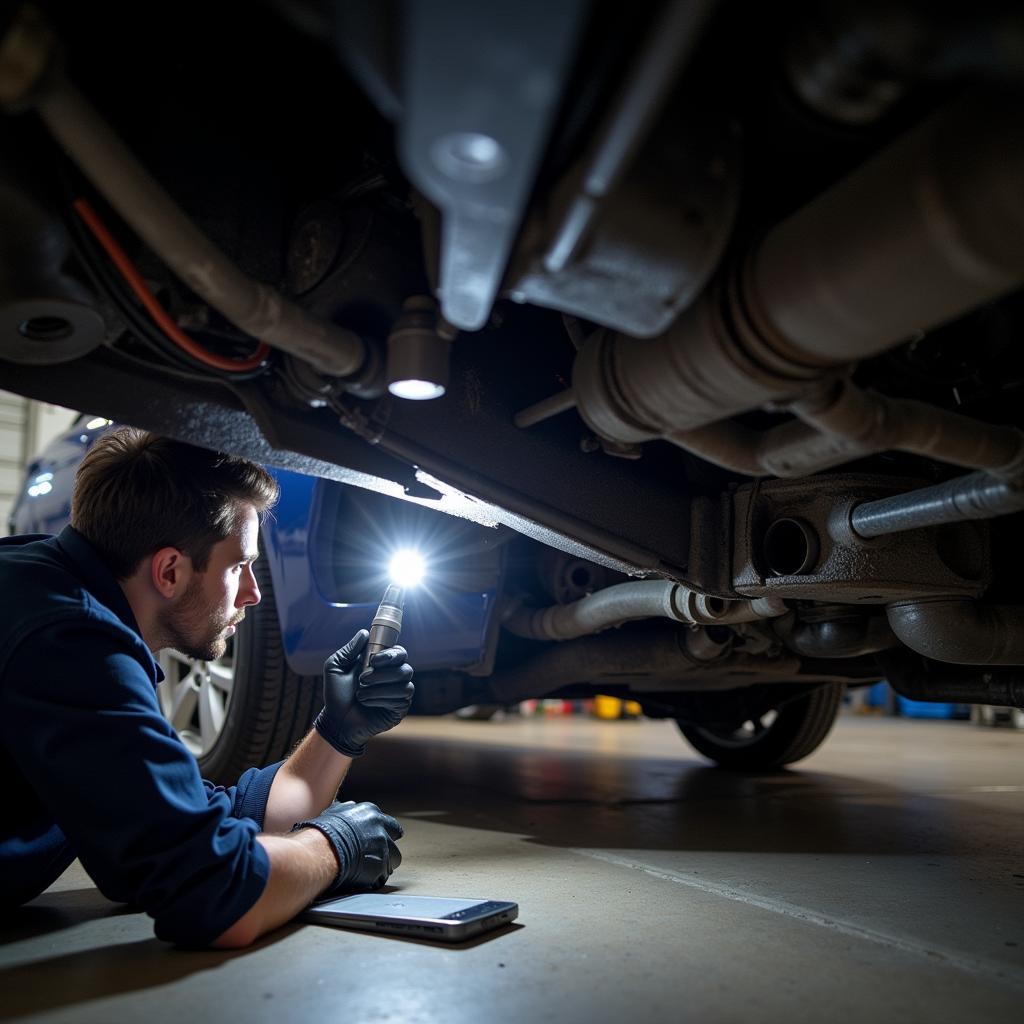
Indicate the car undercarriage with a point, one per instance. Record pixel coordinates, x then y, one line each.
721 304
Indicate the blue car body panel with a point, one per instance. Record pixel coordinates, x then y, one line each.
315 622
443 627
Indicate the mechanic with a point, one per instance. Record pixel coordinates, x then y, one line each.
159 554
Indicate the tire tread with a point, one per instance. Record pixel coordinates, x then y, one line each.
801 727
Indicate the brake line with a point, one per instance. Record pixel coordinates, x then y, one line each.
127 269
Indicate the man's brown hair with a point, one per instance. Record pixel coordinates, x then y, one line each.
136 493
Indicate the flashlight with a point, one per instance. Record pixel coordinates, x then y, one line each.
406 571
387 623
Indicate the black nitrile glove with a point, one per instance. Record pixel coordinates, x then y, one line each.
358 707
363 837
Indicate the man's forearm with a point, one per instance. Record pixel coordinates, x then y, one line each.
305 784
301 867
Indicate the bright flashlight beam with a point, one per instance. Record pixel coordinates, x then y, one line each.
407 568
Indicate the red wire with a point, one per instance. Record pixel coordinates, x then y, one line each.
134 279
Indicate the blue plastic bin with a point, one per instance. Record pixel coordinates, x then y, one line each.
926 709
878 695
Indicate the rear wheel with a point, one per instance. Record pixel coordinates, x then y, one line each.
777 737
245 709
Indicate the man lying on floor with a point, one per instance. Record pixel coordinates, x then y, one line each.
159 555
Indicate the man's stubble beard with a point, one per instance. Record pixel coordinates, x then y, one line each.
190 629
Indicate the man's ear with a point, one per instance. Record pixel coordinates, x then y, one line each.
170 570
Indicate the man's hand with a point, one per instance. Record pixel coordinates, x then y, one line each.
359 706
363 837
347 845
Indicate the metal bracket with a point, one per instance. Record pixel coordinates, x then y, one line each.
482 83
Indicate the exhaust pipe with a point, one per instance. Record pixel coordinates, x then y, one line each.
960 631
925 231
916 679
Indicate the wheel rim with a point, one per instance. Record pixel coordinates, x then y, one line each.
195 696
744 735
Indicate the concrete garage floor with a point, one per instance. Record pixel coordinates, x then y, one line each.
880 880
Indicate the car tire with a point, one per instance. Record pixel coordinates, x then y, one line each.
269 708
779 737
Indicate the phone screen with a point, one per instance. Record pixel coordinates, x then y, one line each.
395 905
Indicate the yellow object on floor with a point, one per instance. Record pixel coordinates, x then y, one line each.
610 708
607 707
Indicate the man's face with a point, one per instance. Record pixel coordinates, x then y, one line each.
199 623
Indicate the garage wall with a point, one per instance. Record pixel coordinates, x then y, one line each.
13 423
26 426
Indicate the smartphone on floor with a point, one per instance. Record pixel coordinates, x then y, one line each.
445 918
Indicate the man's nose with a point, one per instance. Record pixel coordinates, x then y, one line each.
249 592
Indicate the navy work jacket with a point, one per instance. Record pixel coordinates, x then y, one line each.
90 768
